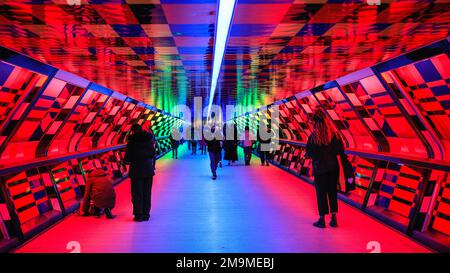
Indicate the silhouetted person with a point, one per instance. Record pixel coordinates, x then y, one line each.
194 146
174 143
230 144
202 142
215 151
193 141
140 154
155 145
100 189
247 144
323 147
264 141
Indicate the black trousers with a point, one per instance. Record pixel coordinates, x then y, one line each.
264 156
247 154
174 151
326 192
214 158
194 148
141 195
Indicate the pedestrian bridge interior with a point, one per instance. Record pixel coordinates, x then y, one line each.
76 75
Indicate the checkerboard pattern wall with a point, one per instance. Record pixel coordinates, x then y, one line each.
32 136
17 85
47 117
441 211
398 114
66 183
364 172
426 85
28 194
399 188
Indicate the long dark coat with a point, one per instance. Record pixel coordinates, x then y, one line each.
140 154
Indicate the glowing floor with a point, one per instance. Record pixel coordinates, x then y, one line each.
248 209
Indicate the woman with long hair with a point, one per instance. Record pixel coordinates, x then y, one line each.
323 147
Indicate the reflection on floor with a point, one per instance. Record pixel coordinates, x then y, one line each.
248 209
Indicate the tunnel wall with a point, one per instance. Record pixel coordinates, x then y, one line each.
394 119
53 125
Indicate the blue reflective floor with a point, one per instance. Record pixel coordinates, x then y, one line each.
248 209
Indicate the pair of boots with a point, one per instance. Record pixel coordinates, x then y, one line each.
97 213
321 222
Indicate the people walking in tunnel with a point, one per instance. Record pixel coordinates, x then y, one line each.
99 189
323 147
230 143
263 146
175 143
214 150
247 144
140 154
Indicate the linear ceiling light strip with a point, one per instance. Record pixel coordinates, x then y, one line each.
226 10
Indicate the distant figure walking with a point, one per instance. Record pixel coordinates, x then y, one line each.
140 154
230 143
247 144
174 143
264 142
323 147
193 141
215 153
99 189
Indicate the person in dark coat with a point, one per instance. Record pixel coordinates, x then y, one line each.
215 153
140 154
323 147
193 141
247 144
99 188
264 141
230 144
174 143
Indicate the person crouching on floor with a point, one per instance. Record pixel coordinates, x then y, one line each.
99 189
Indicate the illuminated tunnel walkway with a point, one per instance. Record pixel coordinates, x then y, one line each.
75 76
242 211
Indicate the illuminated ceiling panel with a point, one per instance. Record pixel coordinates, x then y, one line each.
160 51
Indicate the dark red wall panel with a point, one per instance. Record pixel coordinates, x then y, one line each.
393 118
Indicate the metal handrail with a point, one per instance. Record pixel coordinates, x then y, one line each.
399 159
35 163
